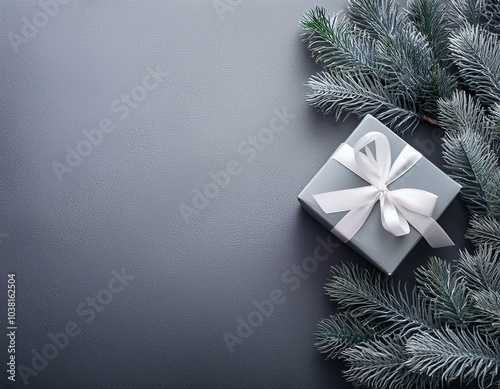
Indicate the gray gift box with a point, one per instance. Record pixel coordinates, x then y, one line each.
379 246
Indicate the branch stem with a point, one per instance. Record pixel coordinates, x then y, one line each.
428 119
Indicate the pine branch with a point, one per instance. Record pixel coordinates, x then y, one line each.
340 332
492 15
354 92
446 292
475 166
392 71
487 311
431 20
411 70
484 230
466 13
452 355
438 84
494 123
461 112
406 59
481 270
335 42
476 52
403 67
379 18
373 299
381 364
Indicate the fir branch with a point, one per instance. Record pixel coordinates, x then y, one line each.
379 18
335 42
484 230
431 20
395 65
494 122
461 112
487 311
410 69
466 12
446 291
381 364
476 52
492 15
406 59
452 355
354 92
474 165
438 84
481 270
372 298
340 332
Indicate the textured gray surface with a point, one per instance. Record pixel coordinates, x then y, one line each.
222 74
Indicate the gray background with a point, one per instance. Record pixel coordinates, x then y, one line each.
119 208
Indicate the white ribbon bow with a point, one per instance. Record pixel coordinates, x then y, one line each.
398 207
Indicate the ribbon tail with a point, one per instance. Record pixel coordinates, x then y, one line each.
352 222
430 230
392 220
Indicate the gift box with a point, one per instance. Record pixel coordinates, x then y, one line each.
380 196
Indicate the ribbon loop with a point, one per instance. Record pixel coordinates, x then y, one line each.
399 208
